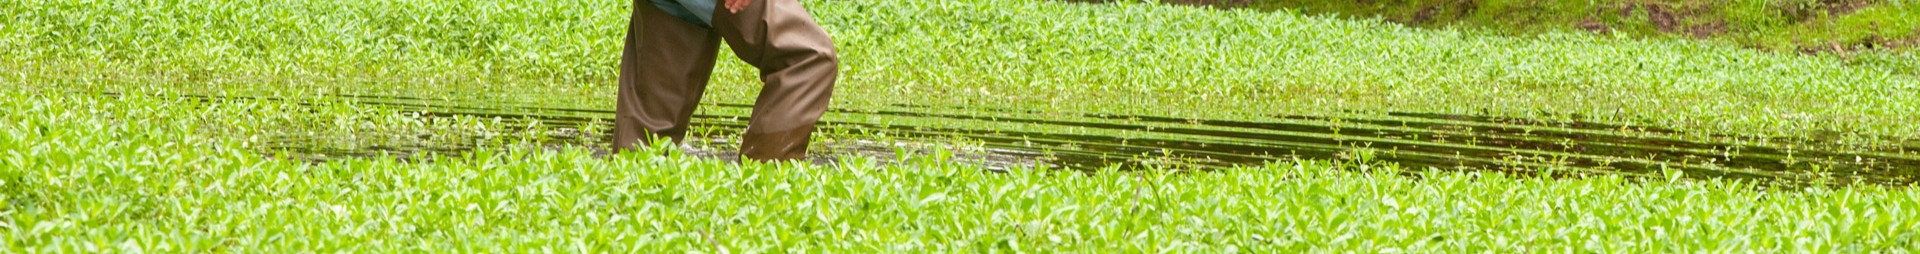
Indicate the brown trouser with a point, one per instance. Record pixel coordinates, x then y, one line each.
667 62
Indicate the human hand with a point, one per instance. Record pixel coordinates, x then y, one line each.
734 6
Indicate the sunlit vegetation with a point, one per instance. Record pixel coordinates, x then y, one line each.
162 126
1843 27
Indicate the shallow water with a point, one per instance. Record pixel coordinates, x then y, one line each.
1012 138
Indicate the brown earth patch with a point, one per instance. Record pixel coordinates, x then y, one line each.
1465 8
1438 13
1667 18
1838 7
1593 25
1706 30
1425 15
1801 12
1662 17
1873 43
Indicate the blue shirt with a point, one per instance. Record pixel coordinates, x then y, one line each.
700 12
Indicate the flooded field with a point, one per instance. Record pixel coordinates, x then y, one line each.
955 126
1004 139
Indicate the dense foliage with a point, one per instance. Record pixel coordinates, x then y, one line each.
1843 27
124 134
1124 58
91 174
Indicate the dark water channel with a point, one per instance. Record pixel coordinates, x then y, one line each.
1085 141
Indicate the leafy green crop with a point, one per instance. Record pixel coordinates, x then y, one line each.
1124 58
125 134
84 173
1854 27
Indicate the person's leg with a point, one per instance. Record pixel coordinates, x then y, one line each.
663 71
796 60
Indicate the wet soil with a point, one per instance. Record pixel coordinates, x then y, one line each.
1004 139
825 153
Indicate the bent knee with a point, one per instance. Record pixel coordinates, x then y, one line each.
819 55
804 58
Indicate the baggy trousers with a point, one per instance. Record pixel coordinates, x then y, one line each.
667 63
